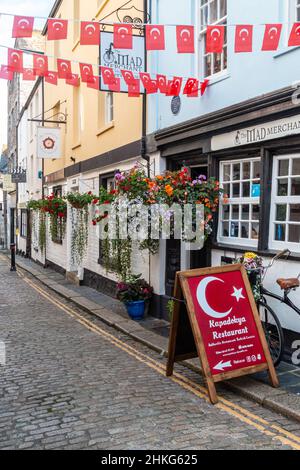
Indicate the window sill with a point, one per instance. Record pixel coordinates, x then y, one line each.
76 146
218 78
106 128
285 51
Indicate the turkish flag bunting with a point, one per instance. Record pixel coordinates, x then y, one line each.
22 27
15 60
86 72
123 36
174 87
204 86
40 64
191 88
149 84
294 39
155 37
29 74
272 37
243 38
134 89
5 73
128 77
215 39
185 39
94 82
57 29
162 83
51 77
73 80
64 68
90 33
108 75
115 85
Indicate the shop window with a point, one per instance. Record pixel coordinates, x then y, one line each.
240 206
285 207
23 223
212 12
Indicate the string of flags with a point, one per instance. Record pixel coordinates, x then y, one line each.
190 87
57 29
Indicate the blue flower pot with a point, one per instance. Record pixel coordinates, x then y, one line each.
136 310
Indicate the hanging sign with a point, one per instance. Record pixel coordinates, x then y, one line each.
132 60
220 324
49 142
8 185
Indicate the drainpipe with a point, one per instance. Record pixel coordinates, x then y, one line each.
144 154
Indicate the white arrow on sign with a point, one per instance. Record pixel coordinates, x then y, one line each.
222 365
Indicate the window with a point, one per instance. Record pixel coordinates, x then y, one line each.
23 223
109 108
212 12
240 212
285 209
294 10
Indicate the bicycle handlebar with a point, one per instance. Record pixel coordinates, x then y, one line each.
282 254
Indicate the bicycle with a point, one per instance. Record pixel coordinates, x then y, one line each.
271 324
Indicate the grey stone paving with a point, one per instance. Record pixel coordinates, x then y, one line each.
65 387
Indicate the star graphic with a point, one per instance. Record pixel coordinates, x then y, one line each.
237 294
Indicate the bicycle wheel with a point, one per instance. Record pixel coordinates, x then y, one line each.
273 331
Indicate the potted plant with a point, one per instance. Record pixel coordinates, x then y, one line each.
253 264
134 293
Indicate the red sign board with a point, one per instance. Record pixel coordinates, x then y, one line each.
218 321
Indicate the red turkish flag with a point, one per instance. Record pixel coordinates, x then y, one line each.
64 68
15 60
40 64
108 75
86 72
5 73
204 86
57 29
123 36
73 80
51 77
191 88
94 82
128 77
115 85
162 83
215 39
272 37
155 37
149 84
185 39
243 38
134 89
294 39
174 86
29 74
90 33
22 27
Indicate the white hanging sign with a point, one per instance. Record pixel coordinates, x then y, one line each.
49 142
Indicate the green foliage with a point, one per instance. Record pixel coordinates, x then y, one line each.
134 289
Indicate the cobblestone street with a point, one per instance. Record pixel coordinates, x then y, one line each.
67 385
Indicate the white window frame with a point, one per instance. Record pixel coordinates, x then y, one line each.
109 108
201 39
294 11
239 241
289 200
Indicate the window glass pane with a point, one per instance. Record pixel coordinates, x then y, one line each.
217 63
295 212
213 11
281 212
245 230
225 58
256 170
236 172
235 215
246 189
246 170
223 8
295 191
255 192
283 167
204 16
207 65
294 233
254 231
226 210
245 212
296 167
236 190
234 232
226 188
282 189
226 173
255 212
280 230
225 232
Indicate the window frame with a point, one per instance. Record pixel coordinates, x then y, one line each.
24 223
109 108
284 200
239 201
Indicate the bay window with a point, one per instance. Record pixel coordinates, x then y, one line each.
240 207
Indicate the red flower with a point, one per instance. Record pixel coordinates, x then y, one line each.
61 215
94 222
95 201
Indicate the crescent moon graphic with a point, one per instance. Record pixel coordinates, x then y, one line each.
60 25
153 31
15 54
185 31
64 65
89 27
275 32
86 67
244 30
23 23
202 300
217 31
123 29
145 78
50 75
40 61
107 72
297 30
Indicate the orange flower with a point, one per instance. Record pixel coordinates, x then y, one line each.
169 190
159 178
151 185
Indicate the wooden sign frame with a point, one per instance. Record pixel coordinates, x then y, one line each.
181 290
